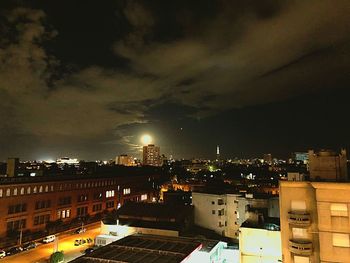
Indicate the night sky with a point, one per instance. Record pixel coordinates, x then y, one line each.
86 79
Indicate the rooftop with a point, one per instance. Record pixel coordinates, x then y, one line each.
144 248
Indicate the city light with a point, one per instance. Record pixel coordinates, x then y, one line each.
146 139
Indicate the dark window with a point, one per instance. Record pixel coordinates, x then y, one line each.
97 196
97 207
18 208
82 211
42 204
213 212
42 219
110 204
65 200
83 198
16 225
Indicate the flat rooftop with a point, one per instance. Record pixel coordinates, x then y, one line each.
144 248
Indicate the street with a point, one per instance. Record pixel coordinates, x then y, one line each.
42 253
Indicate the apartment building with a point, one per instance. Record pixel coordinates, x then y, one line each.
30 203
315 225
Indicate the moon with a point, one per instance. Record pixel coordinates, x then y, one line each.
146 139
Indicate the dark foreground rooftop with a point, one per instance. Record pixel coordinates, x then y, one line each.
144 248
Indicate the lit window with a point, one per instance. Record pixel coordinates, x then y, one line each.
51 188
15 191
143 197
28 190
0 192
34 190
63 214
341 240
40 189
22 191
339 210
112 192
68 213
46 188
8 192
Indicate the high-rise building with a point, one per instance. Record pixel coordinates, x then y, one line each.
328 165
151 155
125 160
315 225
12 167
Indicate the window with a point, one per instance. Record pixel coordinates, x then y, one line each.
221 212
299 233
82 211
96 207
110 193
46 188
212 202
339 210
42 204
341 240
51 188
143 197
65 200
83 198
22 191
97 196
8 192
34 190
16 225
62 214
220 202
298 205
0 192
40 189
28 190
18 208
42 219
110 204
15 191
126 191
299 259
213 212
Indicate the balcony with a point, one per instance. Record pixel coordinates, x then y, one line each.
300 247
299 218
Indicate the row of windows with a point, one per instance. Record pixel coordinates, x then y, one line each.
50 188
42 204
62 214
336 209
16 225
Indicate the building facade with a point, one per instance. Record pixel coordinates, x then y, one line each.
315 225
30 203
328 165
125 160
151 155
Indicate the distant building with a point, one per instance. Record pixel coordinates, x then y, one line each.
328 165
12 167
260 242
267 158
125 160
151 155
295 176
67 160
315 225
302 157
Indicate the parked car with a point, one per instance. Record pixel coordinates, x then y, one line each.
14 250
80 230
29 245
89 250
2 254
49 239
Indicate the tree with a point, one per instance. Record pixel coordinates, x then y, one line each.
57 257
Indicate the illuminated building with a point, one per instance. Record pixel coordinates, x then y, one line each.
67 160
260 243
267 158
139 248
224 213
315 225
30 202
125 160
12 167
328 165
151 155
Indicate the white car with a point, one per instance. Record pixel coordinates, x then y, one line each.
2 253
49 239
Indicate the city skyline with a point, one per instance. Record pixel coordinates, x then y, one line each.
252 77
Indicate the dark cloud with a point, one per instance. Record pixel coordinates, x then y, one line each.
95 80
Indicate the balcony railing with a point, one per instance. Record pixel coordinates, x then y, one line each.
299 218
300 247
